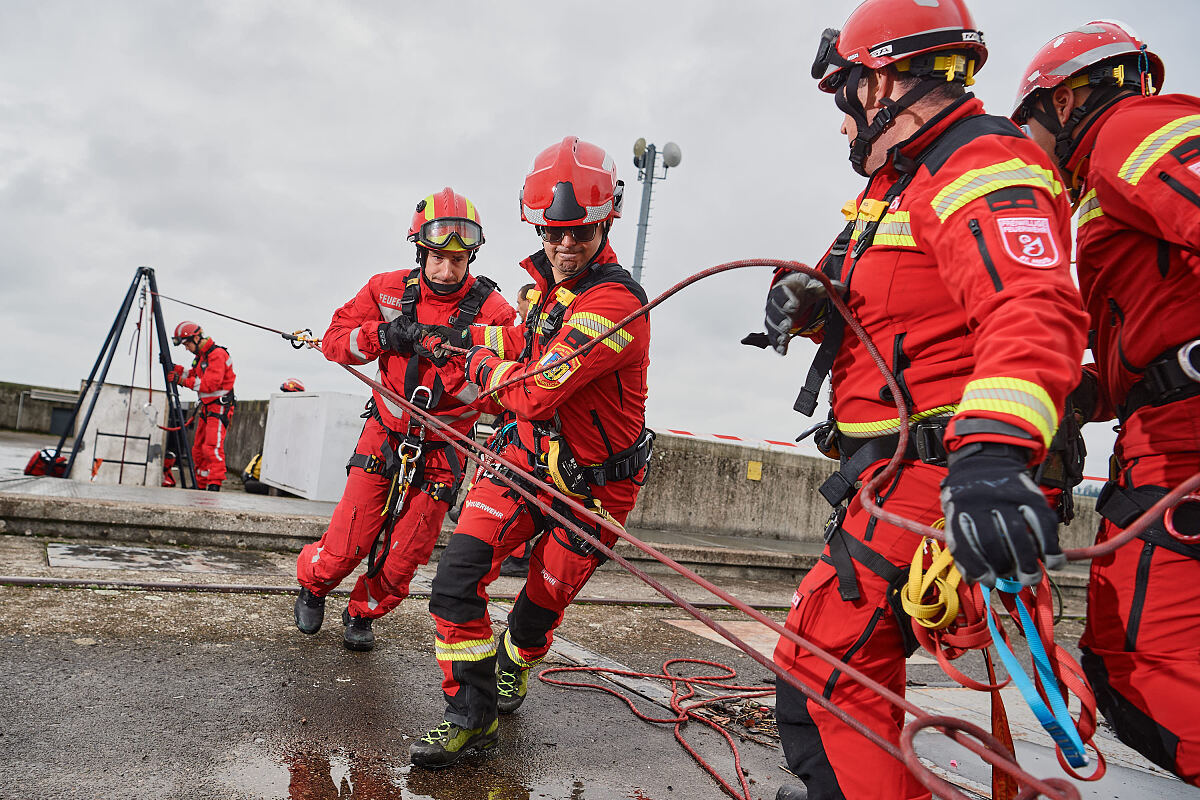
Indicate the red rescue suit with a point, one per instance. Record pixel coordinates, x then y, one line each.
211 375
596 404
1139 272
360 516
958 266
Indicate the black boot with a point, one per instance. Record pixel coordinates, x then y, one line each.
310 612
791 791
515 567
358 635
214 487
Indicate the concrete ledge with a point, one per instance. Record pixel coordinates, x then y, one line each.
76 518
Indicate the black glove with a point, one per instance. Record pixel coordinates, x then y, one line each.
480 362
398 335
790 301
997 520
430 338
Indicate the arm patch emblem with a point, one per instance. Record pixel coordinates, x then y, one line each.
1029 241
555 377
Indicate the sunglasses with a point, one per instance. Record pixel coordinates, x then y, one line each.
580 233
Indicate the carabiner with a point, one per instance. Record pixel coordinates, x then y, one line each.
1169 519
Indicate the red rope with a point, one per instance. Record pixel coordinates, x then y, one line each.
990 749
975 739
682 689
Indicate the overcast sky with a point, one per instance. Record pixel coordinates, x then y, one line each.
265 158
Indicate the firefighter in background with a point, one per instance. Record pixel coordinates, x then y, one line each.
400 481
212 376
956 259
1089 99
523 300
579 426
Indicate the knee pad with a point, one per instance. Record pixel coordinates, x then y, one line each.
463 566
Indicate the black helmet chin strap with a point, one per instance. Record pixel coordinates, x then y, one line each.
866 134
1066 138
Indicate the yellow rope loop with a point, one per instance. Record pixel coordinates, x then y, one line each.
941 608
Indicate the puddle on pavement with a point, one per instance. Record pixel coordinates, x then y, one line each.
340 775
86 556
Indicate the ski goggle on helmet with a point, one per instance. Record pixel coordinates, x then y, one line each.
446 221
183 331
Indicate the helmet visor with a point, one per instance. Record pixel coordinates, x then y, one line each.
444 233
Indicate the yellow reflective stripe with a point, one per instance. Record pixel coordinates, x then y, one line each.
862 430
502 369
976 183
493 339
1014 396
894 230
470 210
593 325
1155 146
473 650
1089 209
429 208
516 656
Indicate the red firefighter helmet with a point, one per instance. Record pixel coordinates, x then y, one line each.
572 183
291 385
1070 57
185 330
882 32
446 221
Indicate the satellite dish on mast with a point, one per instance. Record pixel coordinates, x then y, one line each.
672 154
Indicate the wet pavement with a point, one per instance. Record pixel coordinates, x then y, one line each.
159 693
155 692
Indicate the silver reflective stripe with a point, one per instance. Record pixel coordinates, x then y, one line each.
211 395
354 351
395 410
388 312
1096 54
468 395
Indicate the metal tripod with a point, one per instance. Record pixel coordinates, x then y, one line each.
177 435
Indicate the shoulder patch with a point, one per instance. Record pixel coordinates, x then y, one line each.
1029 241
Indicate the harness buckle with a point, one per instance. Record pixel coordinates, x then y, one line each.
927 438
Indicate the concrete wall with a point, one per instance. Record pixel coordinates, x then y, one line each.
245 435
34 414
703 486
695 484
